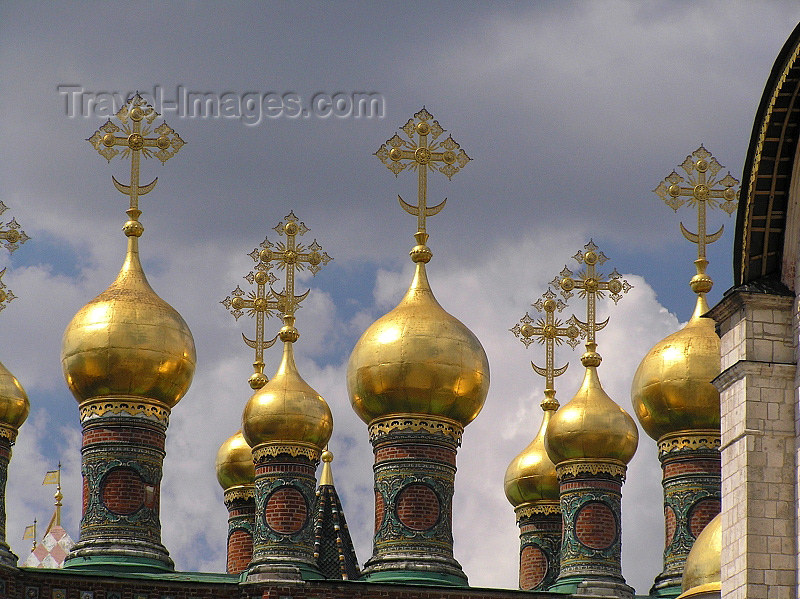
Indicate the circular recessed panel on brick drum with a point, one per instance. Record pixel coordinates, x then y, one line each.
532 567
418 507
596 526
123 491
286 511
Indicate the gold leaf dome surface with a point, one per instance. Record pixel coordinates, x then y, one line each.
234 463
531 476
128 342
701 574
671 390
418 359
591 426
14 405
287 410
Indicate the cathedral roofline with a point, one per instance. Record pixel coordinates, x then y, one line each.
761 220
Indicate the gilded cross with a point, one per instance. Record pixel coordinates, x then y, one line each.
550 331
11 236
5 293
291 257
260 303
136 117
591 285
422 154
703 191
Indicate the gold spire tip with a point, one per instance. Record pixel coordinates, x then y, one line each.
590 285
422 152
326 478
704 190
549 331
11 236
136 118
291 257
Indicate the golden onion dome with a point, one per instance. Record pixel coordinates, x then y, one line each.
418 359
128 342
672 390
286 409
531 476
14 405
701 574
234 463
591 425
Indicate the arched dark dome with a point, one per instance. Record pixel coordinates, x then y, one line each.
764 209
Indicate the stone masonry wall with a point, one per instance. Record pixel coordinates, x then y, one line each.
757 399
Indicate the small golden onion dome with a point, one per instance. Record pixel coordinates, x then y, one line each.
701 574
14 405
128 342
672 390
531 476
591 425
234 463
418 359
287 410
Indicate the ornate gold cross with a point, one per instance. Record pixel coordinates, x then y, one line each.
291 257
263 302
550 331
259 303
136 144
11 236
6 296
422 154
704 190
591 285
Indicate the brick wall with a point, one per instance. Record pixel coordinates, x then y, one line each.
240 551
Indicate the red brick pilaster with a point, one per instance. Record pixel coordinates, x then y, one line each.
415 466
591 547
690 461
7 436
285 492
241 524
122 457
540 543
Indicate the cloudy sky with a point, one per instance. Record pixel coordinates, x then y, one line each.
571 112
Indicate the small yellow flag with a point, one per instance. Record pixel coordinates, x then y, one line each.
30 532
52 478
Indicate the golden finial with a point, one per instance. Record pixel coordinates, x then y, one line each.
591 285
11 236
422 154
326 478
705 190
53 477
136 144
548 330
6 295
30 533
291 257
259 303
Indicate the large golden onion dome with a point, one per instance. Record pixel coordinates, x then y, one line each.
234 463
591 425
418 359
287 410
531 476
672 390
701 574
14 405
128 342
